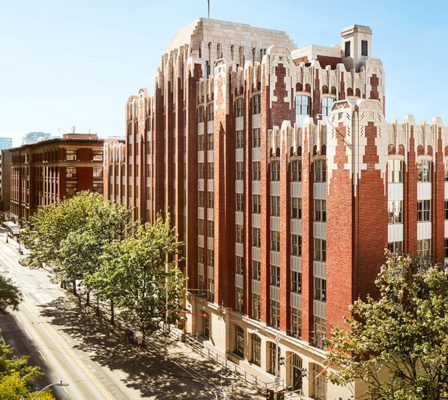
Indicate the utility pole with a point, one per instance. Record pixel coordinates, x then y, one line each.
208 2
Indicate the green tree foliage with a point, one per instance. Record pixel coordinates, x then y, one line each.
69 236
17 377
398 344
133 274
10 295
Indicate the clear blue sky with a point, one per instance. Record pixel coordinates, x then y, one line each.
67 63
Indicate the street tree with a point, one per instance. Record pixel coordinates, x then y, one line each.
17 377
135 275
10 295
398 343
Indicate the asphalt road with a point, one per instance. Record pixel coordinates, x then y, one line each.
71 344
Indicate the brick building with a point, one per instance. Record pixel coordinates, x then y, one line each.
5 172
46 172
285 182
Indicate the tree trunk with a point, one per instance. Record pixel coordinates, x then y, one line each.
74 288
112 316
88 298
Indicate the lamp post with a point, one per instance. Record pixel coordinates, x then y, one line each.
60 383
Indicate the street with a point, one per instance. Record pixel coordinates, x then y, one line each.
71 345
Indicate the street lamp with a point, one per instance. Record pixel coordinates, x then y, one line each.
60 383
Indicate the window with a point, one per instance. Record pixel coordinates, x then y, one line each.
320 329
97 187
256 270
395 171
200 227
320 289
210 228
210 112
446 172
239 265
296 322
319 385
256 204
302 105
446 248
395 247
256 137
296 282
205 325
320 250
239 171
201 142
201 255
296 171
97 155
275 314
70 172
201 198
70 188
424 171
423 210
239 234
275 241
275 275
71 155
201 114
275 171
256 170
210 141
201 169
239 202
256 104
424 248
210 258
272 352
239 139
327 103
239 300
256 306
364 48
296 208
200 285
395 211
210 170
320 170
446 209
347 48
320 213
256 237
210 200
256 350
296 245
275 206
239 105
239 341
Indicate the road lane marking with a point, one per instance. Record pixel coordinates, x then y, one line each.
42 356
70 352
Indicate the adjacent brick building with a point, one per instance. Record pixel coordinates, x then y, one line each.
285 217
5 173
49 171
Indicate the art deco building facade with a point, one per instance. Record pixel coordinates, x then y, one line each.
49 171
284 181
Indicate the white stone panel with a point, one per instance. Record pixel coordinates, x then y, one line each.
446 190
200 184
446 228
296 263
320 309
200 156
239 186
296 300
200 240
209 155
256 154
320 269
200 269
275 293
256 121
296 189
148 159
256 286
210 186
424 191
210 215
319 190
210 126
239 155
256 220
395 191
201 212
200 128
275 223
320 230
423 230
148 182
256 254
275 188
239 218
210 271
210 243
256 187
296 226
275 258
239 249
395 232
239 281
239 123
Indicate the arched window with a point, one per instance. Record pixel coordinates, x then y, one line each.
256 350
295 372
